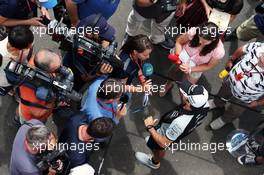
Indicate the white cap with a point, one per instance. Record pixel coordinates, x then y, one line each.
197 95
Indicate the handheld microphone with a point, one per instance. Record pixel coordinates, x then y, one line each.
124 99
174 58
147 70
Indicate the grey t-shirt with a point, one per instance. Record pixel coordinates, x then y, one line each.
22 162
153 12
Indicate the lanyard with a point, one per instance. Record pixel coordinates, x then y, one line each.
106 108
136 62
249 72
139 66
21 56
29 7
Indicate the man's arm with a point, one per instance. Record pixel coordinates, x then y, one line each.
72 11
256 103
14 22
236 55
161 140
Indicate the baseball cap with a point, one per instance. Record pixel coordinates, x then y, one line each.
84 169
197 95
106 31
49 4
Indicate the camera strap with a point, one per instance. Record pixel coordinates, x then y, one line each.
106 108
28 103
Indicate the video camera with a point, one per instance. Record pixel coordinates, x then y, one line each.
83 47
47 86
169 5
49 159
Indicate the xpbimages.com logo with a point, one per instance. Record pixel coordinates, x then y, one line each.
116 88
189 146
63 30
178 30
80 147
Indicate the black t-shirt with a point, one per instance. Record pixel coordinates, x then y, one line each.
232 7
77 150
152 12
178 123
17 9
69 61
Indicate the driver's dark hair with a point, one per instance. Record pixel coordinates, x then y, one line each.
139 43
110 88
101 127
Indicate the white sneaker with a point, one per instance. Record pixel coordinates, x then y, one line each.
217 123
247 160
146 160
211 104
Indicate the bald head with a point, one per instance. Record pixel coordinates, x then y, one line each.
47 60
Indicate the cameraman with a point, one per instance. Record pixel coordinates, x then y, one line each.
152 10
17 46
80 9
23 12
81 133
31 139
100 32
31 106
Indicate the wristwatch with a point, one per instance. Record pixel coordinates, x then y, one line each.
149 127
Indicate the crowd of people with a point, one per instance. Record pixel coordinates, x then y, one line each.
106 80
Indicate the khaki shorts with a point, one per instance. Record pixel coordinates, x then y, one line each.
248 30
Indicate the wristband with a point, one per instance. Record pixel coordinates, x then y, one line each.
154 1
149 127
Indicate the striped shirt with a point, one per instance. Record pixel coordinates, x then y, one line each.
178 123
251 85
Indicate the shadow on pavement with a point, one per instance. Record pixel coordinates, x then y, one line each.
229 165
